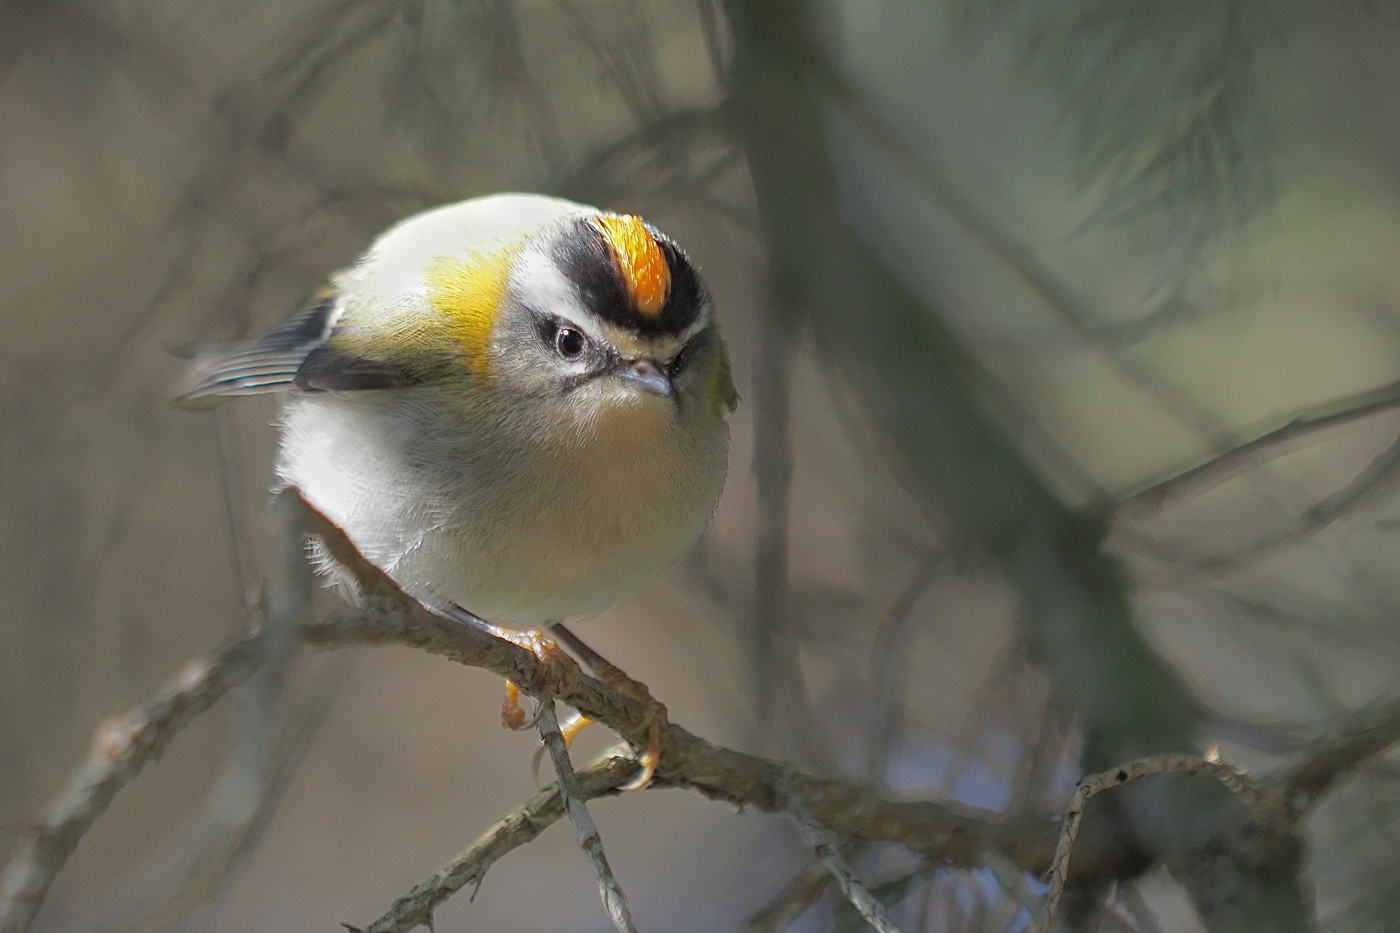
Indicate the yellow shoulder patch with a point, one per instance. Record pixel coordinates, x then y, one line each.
468 292
639 259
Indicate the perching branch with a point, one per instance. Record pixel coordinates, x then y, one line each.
949 831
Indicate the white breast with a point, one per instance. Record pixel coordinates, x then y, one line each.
519 527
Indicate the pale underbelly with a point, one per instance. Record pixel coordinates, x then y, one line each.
533 579
515 549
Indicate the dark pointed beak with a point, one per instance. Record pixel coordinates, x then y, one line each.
647 376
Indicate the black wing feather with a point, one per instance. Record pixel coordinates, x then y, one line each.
263 364
327 369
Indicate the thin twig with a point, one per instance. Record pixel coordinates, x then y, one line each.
1267 444
828 849
1228 774
614 900
1374 481
517 827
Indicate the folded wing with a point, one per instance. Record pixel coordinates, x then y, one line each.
295 356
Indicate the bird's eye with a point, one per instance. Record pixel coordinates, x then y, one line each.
681 360
568 342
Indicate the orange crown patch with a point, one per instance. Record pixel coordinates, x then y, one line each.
639 259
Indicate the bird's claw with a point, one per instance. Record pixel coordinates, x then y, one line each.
557 674
512 716
654 722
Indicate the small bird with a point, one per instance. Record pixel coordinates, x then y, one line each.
515 405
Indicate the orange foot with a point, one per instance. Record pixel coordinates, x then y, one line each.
654 721
557 673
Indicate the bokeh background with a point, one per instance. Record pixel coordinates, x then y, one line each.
987 268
